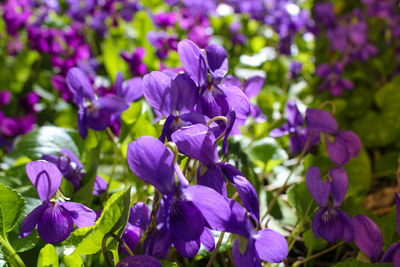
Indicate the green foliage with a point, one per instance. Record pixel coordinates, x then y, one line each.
300 198
312 243
11 206
48 257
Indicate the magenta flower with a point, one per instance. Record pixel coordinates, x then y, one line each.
333 80
54 219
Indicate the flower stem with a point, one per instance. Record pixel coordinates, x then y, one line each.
295 233
282 188
13 256
318 254
215 252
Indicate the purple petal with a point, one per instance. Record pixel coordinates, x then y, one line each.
55 224
46 178
112 103
152 162
157 245
249 258
182 179
131 237
133 89
217 61
213 102
316 222
186 221
79 84
318 189
246 191
231 121
396 258
185 92
139 261
323 70
321 121
253 86
118 84
32 220
80 214
207 239
397 198
157 87
212 205
237 100
368 237
352 141
271 246
278 132
97 118
239 223
82 124
331 226
193 61
337 150
212 178
389 254
339 185
293 113
100 186
348 226
65 152
232 80
198 142
187 249
140 215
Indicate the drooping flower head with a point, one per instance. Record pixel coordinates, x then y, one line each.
55 219
393 252
329 222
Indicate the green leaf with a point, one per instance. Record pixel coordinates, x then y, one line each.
132 113
85 194
356 263
73 260
11 207
359 173
48 257
115 215
112 61
299 198
313 243
46 140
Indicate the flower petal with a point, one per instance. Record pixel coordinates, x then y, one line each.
237 100
33 218
212 205
293 113
339 185
82 123
249 258
389 254
186 221
207 239
198 142
152 162
348 226
46 178
80 214
79 84
212 178
100 186
157 87
271 246
55 225
139 261
193 61
133 89
318 189
368 237
245 189
321 121
187 249
231 121
217 60
140 215
185 91
278 132
112 103
239 223
330 225
157 245
352 141
253 86
337 151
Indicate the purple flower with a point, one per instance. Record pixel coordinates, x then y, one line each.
294 69
162 42
5 97
332 79
198 142
368 237
185 211
393 252
340 145
165 19
139 261
55 219
329 222
294 127
208 69
135 61
94 113
253 245
324 13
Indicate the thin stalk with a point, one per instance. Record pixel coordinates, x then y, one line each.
282 188
215 252
295 233
12 254
318 254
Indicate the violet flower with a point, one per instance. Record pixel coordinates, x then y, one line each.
5 97
207 68
198 142
94 113
329 222
294 127
340 145
72 170
368 237
55 219
253 245
332 79
162 42
185 212
139 261
393 252
135 61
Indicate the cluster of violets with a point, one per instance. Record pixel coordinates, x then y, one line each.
348 38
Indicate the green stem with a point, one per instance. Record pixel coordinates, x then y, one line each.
215 252
282 188
13 256
295 233
318 254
